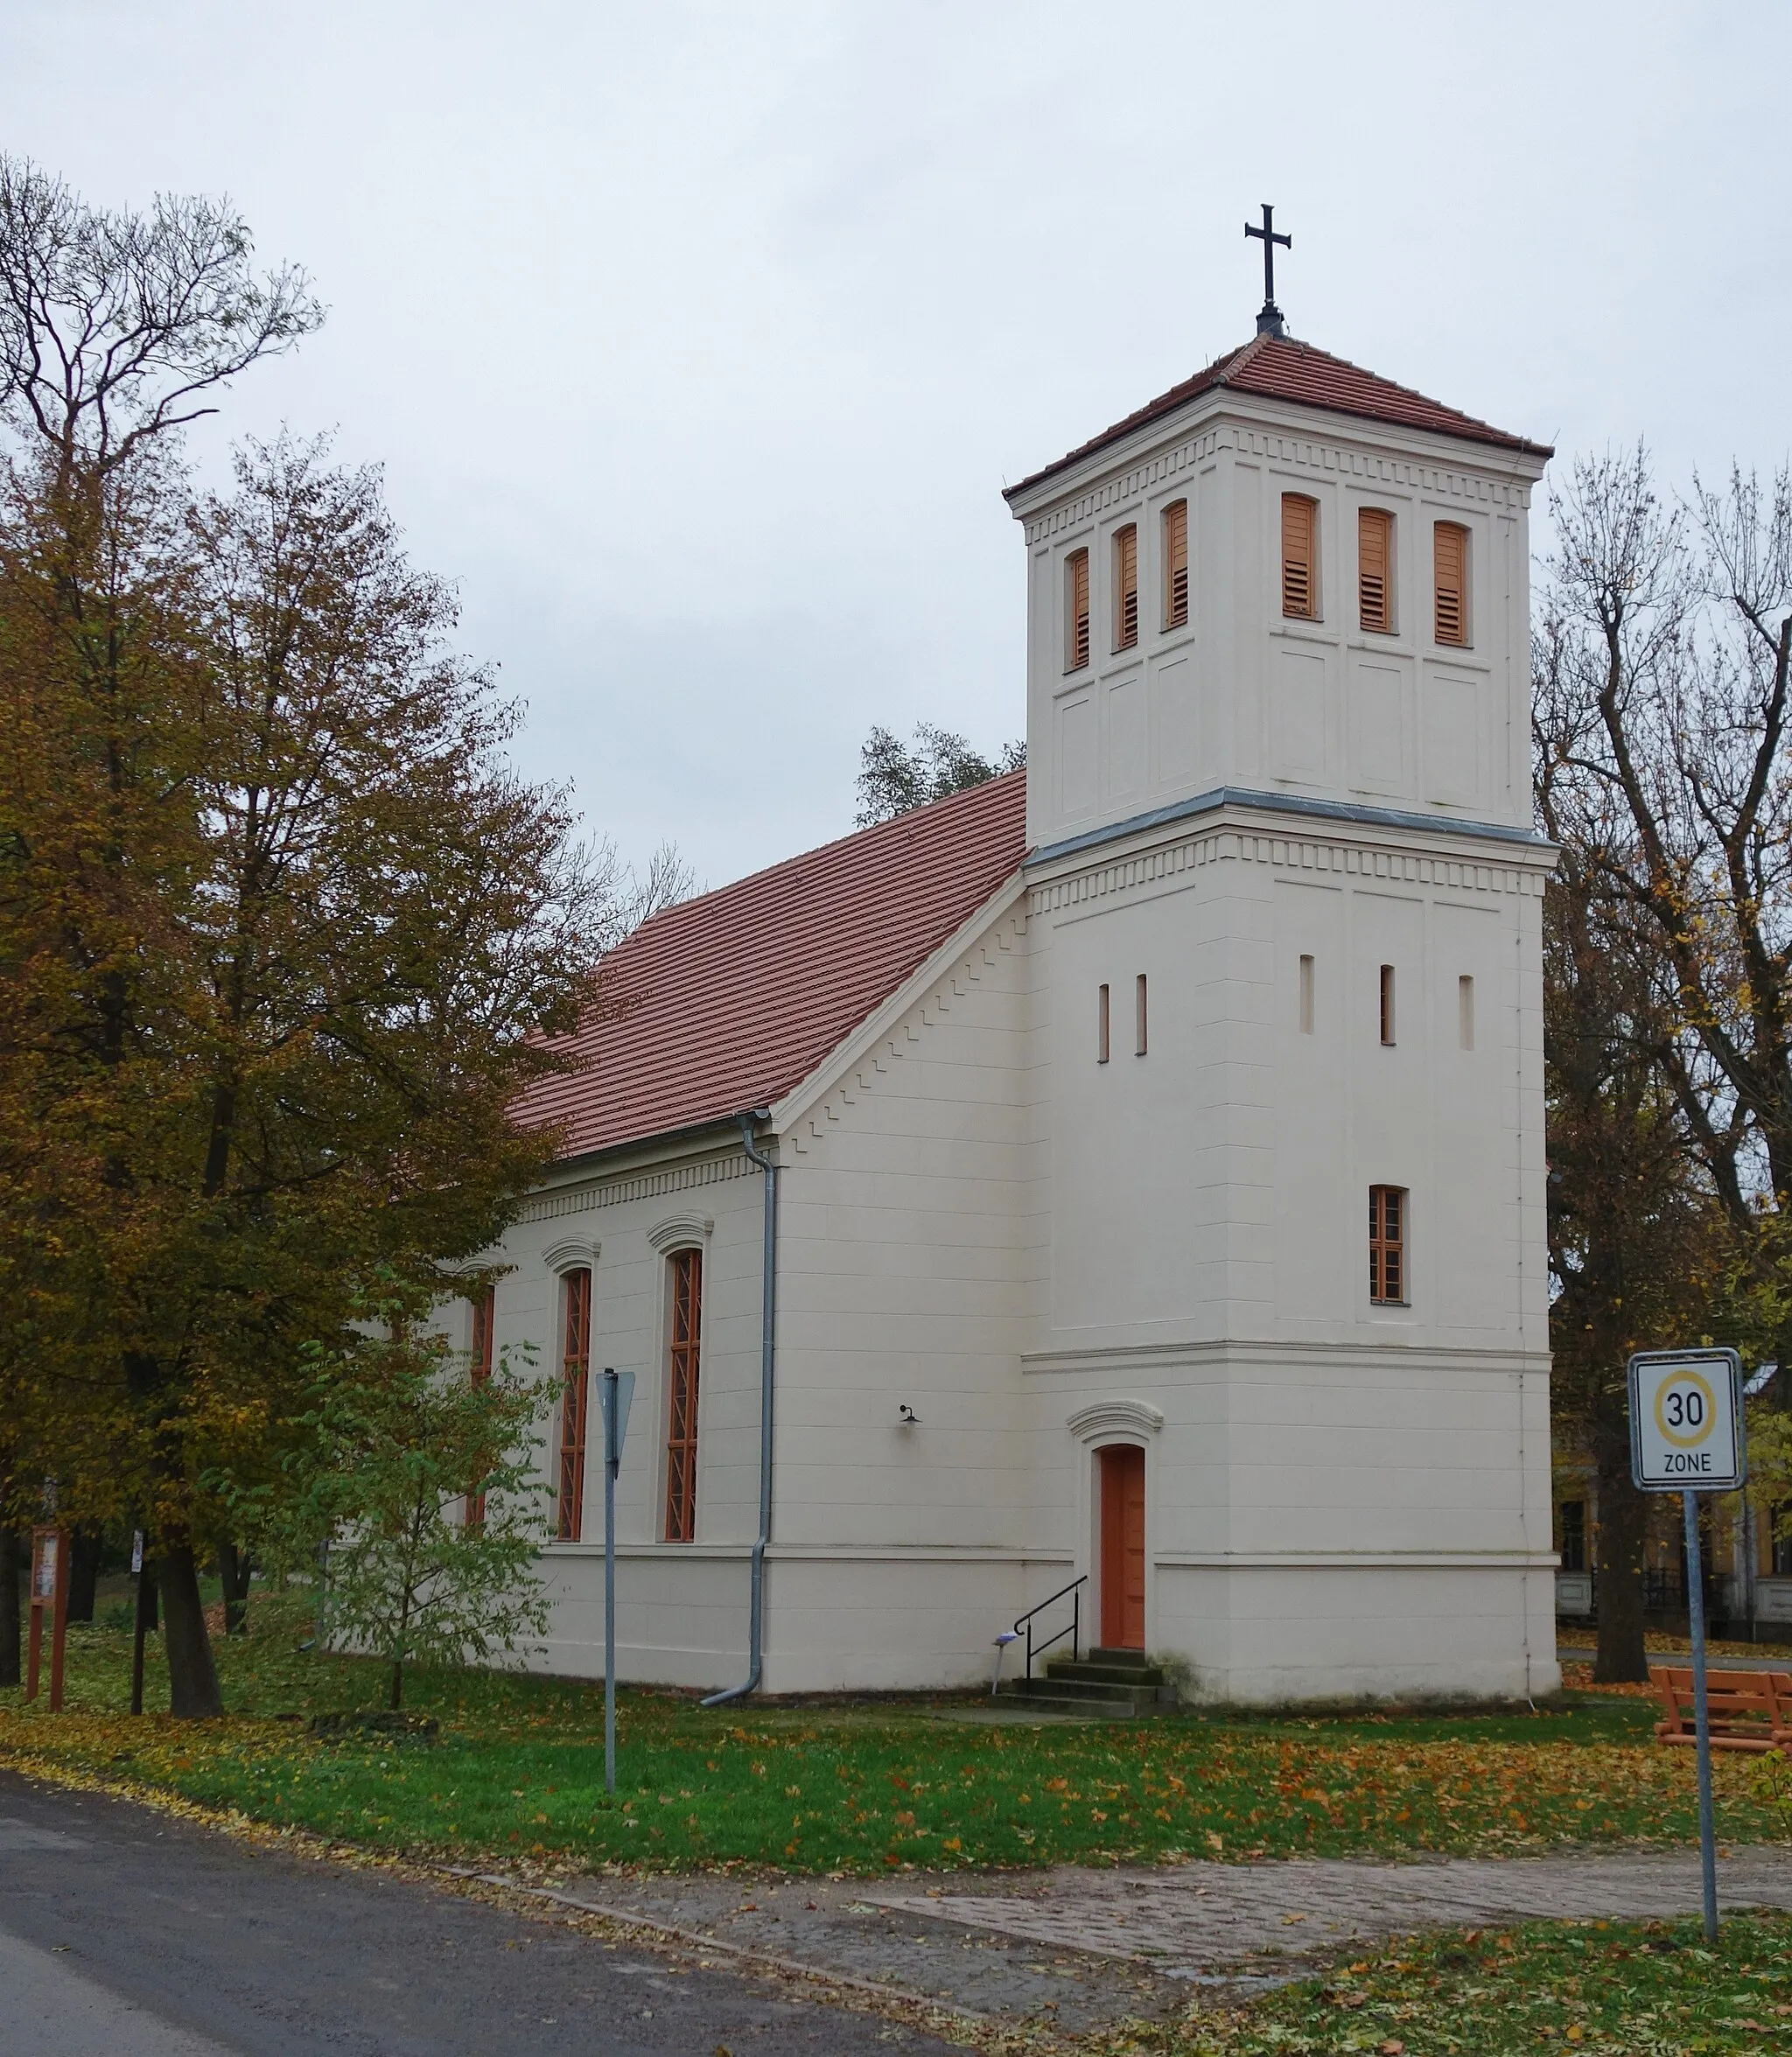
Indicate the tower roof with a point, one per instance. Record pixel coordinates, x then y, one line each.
1278 367
726 1002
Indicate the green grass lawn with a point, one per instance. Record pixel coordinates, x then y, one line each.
518 1772
1620 1989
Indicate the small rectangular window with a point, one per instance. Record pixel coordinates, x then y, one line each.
1101 1015
1300 571
1126 588
1387 1245
1306 996
1374 570
687 1288
1176 564
1388 1005
1450 562
479 1373
1138 1018
575 1382
1465 1011
1076 611
1780 1543
1573 1535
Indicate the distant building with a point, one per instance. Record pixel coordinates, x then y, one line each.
1159 1130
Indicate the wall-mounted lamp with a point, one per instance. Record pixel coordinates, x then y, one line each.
907 1417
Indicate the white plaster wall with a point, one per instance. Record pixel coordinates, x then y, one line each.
681 1608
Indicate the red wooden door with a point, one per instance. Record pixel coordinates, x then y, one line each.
1122 1547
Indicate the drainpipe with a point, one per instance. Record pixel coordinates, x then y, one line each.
768 1314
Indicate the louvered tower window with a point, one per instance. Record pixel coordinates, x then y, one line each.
1300 571
1374 570
1387 1245
1450 578
686 1287
1176 564
575 1368
1076 611
1126 588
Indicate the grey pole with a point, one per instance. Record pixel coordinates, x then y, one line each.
1695 1610
612 1465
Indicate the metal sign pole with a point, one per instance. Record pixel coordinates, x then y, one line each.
1687 1437
613 1461
139 1563
1707 1825
615 1396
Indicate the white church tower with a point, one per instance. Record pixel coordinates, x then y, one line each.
1284 916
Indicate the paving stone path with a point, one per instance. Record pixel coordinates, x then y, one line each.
1084 1947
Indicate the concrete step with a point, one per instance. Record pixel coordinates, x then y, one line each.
1133 1676
1134 1659
1073 1689
1088 1709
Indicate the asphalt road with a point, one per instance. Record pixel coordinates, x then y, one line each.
127 1934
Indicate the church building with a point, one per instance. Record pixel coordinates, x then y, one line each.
1119 1186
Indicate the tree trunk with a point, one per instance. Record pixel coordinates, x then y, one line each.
12 1567
83 1573
235 1567
1622 1531
396 1700
193 1678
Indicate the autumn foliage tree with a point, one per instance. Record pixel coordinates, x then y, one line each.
1664 665
279 925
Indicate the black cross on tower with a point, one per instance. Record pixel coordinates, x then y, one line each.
1269 322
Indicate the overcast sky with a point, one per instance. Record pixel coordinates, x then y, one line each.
698 340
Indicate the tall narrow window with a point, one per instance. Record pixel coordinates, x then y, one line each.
1139 1016
1126 588
1387 1003
1300 570
1102 1019
1780 1540
575 1370
1076 611
1176 564
1574 1536
1450 579
1374 570
1306 996
479 1373
687 1282
1464 1011
1387 1245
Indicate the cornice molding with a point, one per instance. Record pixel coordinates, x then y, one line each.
577 1253
681 1232
1114 1417
1105 878
555 1202
1325 455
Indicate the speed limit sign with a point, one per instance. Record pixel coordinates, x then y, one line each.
1686 1420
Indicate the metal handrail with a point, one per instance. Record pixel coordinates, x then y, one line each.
1074 1631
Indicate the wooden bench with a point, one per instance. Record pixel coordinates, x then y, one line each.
1745 1709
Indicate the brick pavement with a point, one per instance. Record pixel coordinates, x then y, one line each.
1084 1947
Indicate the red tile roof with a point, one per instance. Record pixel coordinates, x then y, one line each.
1279 368
726 1002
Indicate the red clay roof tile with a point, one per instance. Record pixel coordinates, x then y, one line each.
726 1002
1277 367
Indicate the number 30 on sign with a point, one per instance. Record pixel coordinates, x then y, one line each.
1686 1420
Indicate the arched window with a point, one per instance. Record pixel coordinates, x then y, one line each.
686 1269
478 1371
575 1368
